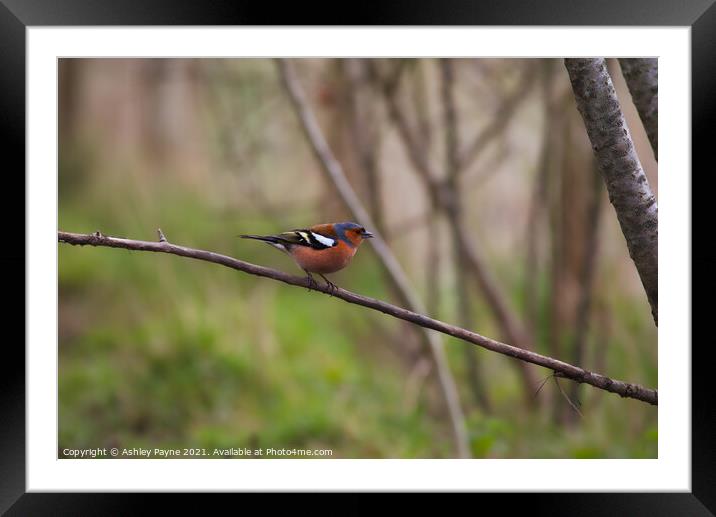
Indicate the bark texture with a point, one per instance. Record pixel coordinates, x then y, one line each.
628 187
642 78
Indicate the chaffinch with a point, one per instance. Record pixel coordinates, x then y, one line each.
321 249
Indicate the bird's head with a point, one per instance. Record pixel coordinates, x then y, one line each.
352 232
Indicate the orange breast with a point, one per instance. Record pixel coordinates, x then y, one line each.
324 261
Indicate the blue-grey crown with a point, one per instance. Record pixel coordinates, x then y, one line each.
347 226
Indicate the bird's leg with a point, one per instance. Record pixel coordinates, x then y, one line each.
331 285
311 281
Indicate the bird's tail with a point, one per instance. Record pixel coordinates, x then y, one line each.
266 238
272 240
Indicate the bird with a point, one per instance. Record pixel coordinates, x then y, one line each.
322 249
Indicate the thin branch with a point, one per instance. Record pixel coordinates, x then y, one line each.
333 170
586 279
576 409
539 196
420 102
454 211
365 132
452 136
500 120
489 168
560 368
509 324
416 155
642 79
628 187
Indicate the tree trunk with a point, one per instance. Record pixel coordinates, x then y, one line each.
628 187
642 78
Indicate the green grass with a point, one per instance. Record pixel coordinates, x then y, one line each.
161 351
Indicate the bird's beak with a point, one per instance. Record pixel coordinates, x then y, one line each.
366 235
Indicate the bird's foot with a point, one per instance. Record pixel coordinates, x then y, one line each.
312 284
331 286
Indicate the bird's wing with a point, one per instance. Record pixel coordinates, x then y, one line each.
307 237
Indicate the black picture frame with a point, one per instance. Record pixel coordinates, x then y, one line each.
17 15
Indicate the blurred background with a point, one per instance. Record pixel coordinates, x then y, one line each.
161 351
